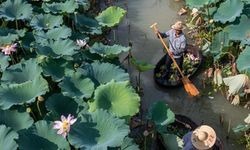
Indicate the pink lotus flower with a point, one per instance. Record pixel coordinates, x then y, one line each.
63 126
8 49
82 43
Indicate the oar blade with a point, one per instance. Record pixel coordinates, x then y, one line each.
190 87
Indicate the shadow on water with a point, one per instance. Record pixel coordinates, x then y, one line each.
217 112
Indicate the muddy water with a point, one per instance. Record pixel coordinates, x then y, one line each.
135 28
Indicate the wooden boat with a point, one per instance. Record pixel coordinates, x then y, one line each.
191 64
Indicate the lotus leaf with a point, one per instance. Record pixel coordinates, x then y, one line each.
102 131
105 72
15 10
242 62
219 41
118 98
8 36
111 16
46 21
68 6
28 41
128 144
161 114
240 31
7 138
15 120
42 136
77 86
58 48
199 3
241 127
4 62
236 83
77 35
228 11
57 68
22 93
142 66
26 70
106 50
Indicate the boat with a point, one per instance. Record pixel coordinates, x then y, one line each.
191 63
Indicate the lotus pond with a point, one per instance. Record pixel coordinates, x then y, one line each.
77 74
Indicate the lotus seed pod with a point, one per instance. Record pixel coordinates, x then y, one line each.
40 98
28 110
76 65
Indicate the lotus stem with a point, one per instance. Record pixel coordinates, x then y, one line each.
12 59
16 24
38 107
114 35
29 110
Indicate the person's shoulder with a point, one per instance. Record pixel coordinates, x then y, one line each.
183 37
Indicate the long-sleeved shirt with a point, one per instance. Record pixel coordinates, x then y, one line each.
187 142
177 45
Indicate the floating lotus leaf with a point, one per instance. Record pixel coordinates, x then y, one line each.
4 62
15 120
58 48
236 83
161 114
228 11
241 128
46 21
77 35
111 16
15 10
105 72
77 86
42 136
199 3
141 65
57 68
22 93
22 72
240 31
68 6
118 98
28 41
220 40
107 51
7 138
242 62
103 131
8 36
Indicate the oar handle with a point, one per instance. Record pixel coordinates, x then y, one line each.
153 26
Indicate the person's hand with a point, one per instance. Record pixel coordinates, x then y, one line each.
171 53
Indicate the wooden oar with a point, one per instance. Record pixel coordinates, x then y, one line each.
189 87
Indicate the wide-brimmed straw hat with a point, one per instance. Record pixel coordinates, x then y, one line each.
194 10
178 26
203 137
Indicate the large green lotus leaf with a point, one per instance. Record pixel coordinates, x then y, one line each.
142 65
198 3
106 50
103 130
128 144
57 68
228 11
118 98
77 35
220 40
105 72
28 42
161 114
111 16
26 70
77 86
4 62
42 136
15 120
236 83
15 10
22 93
7 138
240 31
8 36
68 6
46 21
58 48
243 62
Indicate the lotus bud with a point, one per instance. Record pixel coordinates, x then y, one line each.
211 21
76 65
40 98
28 110
145 133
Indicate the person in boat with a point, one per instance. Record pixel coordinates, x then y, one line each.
196 20
202 138
177 47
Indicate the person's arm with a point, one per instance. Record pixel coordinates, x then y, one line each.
164 34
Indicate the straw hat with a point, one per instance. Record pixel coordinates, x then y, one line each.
203 137
194 10
178 26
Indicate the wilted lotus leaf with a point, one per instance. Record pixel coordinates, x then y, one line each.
242 62
68 6
118 98
8 36
247 119
228 11
236 100
15 10
199 3
41 136
46 21
8 138
217 77
111 16
101 131
142 65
